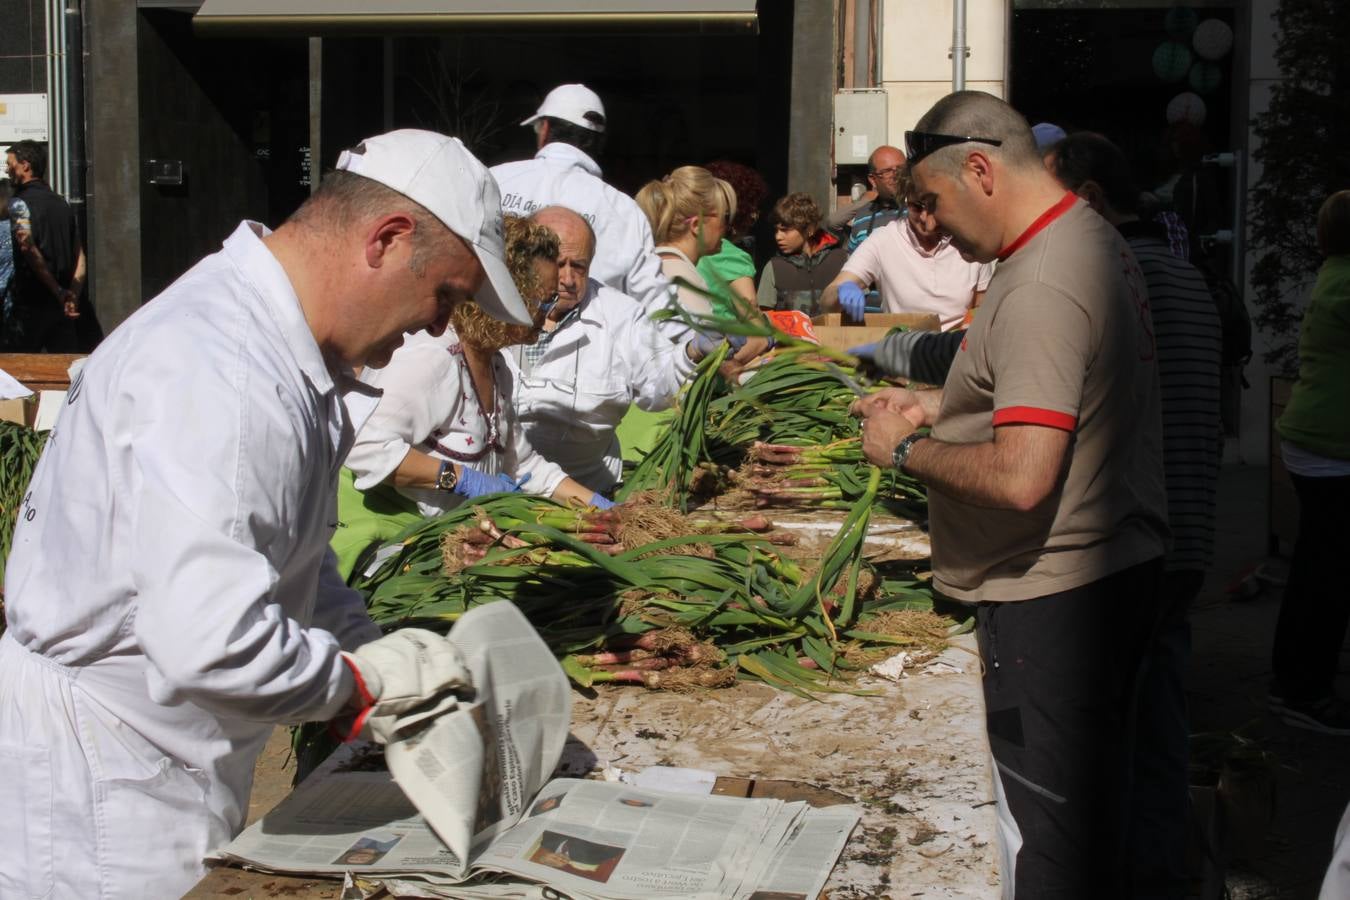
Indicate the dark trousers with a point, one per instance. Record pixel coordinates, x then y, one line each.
1316 605
1062 675
1160 819
38 325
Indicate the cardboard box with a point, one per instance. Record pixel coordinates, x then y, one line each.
20 412
833 333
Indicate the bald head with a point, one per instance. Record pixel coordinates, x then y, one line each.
884 157
978 115
883 170
576 249
568 225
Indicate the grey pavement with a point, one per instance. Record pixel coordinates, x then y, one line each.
1230 669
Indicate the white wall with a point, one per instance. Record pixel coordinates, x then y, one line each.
916 68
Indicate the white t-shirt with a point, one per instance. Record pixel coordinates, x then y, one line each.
913 280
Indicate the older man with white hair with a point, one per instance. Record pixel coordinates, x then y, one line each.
598 354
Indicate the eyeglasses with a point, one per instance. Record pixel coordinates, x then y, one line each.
919 144
888 172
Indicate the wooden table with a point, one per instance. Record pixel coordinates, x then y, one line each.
914 758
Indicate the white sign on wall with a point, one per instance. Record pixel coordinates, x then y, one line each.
23 117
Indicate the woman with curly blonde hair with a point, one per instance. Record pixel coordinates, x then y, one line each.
445 429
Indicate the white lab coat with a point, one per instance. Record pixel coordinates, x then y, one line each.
429 404
606 358
171 595
1336 882
562 175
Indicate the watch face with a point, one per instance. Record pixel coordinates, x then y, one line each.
445 479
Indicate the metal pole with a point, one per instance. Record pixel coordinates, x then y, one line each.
862 44
315 110
75 118
959 48
54 33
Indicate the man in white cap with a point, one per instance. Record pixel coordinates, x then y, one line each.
570 129
171 595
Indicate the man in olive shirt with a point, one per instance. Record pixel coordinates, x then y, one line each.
1046 497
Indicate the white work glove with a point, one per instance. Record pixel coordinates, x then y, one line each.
399 674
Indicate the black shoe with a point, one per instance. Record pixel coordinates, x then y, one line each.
1328 715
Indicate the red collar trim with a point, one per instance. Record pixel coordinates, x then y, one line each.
823 240
1035 228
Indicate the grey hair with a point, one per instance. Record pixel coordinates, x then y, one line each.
977 114
345 200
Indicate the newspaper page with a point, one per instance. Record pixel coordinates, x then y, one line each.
802 865
349 815
463 775
598 839
471 772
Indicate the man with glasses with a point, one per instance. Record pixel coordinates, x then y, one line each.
1047 506
878 207
915 270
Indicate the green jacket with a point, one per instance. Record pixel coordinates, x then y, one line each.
1318 415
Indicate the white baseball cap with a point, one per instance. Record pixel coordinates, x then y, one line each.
573 103
440 174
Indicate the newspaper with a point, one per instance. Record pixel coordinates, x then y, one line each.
459 806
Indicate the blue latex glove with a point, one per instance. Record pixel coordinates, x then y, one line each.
600 501
863 351
703 344
473 483
852 300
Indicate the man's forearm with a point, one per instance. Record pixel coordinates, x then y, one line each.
1020 469
978 474
38 266
81 272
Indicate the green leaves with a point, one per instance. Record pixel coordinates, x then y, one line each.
762 611
20 449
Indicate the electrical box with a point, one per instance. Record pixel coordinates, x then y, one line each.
859 125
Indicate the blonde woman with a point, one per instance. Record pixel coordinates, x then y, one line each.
689 210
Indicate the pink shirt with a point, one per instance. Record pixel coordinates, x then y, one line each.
911 279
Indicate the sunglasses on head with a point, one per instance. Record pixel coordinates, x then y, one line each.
919 144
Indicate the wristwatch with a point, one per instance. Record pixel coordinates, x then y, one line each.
901 453
446 479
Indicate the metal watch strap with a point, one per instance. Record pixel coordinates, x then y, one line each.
901 453
446 479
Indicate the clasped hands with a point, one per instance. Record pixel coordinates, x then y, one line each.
888 417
